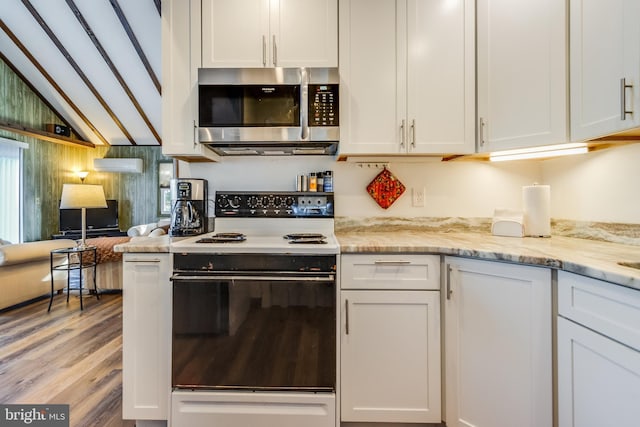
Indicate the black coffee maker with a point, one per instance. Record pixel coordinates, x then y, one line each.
188 207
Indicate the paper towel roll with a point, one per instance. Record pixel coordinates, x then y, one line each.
536 201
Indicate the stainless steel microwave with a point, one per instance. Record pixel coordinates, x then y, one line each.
262 111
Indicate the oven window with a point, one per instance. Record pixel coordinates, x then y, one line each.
261 335
249 105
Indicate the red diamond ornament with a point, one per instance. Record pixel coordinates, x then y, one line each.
385 188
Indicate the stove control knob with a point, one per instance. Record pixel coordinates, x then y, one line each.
252 202
277 201
264 201
289 201
235 202
223 202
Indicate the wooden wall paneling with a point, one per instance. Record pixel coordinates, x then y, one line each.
47 166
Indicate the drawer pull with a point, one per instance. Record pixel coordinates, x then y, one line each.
142 260
391 262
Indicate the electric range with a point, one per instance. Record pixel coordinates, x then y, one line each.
267 222
254 314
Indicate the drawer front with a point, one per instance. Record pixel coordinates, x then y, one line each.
609 309
390 272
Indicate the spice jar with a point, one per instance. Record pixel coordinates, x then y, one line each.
313 182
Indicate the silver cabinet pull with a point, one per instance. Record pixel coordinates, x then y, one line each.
226 278
195 134
155 260
275 52
481 137
402 134
264 50
623 99
346 316
449 290
391 262
413 133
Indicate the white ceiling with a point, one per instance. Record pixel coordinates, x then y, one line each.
116 118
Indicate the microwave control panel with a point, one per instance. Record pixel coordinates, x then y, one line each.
323 105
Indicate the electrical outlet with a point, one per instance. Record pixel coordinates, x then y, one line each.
417 197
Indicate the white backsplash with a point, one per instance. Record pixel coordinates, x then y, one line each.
600 186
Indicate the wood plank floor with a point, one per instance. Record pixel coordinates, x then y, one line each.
66 356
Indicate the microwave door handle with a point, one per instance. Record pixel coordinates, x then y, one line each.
304 104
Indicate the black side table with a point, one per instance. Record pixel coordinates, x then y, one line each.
69 259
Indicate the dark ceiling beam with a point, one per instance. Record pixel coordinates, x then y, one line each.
87 28
45 136
158 6
136 44
27 4
51 81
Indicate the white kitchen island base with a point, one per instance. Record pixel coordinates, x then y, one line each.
255 409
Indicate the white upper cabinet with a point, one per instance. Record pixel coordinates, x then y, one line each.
180 62
269 33
522 73
407 76
605 67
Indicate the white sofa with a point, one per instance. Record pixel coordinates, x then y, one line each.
25 267
25 270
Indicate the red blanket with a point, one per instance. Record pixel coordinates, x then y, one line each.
105 246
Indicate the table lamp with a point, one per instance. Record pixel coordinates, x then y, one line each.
82 196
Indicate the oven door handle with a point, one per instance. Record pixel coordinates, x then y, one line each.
232 278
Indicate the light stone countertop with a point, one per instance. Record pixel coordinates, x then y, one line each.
587 257
141 244
593 258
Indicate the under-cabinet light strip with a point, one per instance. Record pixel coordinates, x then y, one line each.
539 152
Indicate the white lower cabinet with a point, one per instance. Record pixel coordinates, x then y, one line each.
390 339
498 344
598 353
146 335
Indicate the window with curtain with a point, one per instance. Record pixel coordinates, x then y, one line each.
10 184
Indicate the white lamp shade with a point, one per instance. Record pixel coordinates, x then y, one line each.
76 196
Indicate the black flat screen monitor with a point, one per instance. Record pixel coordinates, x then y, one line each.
97 218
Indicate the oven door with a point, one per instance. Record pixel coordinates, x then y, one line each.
262 331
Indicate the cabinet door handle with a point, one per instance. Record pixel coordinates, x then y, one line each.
143 260
275 52
264 50
195 134
449 290
391 262
623 99
413 133
346 316
402 134
482 125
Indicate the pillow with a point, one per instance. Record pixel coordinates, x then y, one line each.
133 232
141 230
157 232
